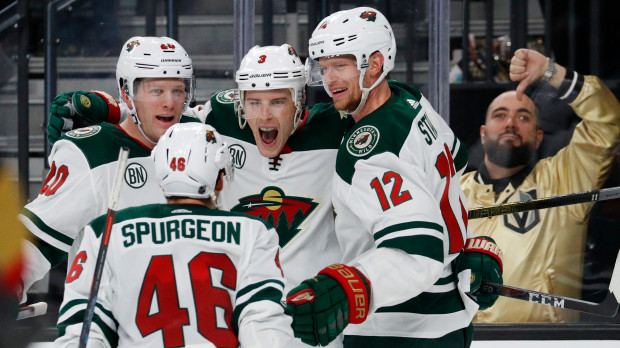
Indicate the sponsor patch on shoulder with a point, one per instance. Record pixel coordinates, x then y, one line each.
226 97
84 132
363 141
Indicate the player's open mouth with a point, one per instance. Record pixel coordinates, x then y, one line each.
165 118
268 135
338 91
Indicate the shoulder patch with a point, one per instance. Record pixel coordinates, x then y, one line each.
363 141
226 96
83 132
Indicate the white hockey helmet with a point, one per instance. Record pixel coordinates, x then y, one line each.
188 160
269 68
360 32
153 57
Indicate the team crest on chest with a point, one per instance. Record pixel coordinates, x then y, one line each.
84 132
135 175
362 141
284 213
226 97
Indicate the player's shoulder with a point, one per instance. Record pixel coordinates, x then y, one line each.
223 116
385 130
100 143
322 128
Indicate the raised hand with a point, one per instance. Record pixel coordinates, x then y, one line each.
78 109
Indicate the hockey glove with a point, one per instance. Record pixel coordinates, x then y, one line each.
78 109
323 306
485 261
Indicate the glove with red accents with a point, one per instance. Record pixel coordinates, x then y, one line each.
78 109
323 306
485 261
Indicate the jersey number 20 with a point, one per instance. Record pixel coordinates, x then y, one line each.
160 282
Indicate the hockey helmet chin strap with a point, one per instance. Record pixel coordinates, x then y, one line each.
365 91
136 120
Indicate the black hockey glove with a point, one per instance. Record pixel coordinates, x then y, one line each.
79 109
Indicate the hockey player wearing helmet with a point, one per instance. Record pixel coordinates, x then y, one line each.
400 214
169 246
284 153
155 78
154 75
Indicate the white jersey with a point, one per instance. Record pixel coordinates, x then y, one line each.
401 218
291 192
179 275
76 190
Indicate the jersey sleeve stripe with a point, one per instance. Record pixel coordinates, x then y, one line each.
78 318
429 303
461 157
53 255
266 294
423 245
445 280
255 286
405 226
45 229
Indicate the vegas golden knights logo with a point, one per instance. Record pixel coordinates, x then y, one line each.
522 222
284 213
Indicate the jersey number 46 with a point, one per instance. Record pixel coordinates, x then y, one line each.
160 282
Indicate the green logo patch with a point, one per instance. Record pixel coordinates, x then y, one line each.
226 97
84 132
363 141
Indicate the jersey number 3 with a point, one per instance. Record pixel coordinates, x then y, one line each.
160 282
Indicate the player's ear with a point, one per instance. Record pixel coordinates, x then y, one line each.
376 63
126 98
220 182
482 133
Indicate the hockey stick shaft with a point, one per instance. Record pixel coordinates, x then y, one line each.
103 248
544 203
607 308
32 310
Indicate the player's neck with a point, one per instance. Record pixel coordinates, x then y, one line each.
131 128
377 97
208 202
499 172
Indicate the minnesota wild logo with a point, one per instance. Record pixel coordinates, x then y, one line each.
132 44
226 96
284 213
370 16
292 51
362 141
210 136
83 132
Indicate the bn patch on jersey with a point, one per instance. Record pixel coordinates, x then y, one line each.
362 141
84 132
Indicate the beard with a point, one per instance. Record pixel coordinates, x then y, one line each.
508 155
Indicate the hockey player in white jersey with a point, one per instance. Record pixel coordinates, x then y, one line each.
401 217
284 154
182 273
154 76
